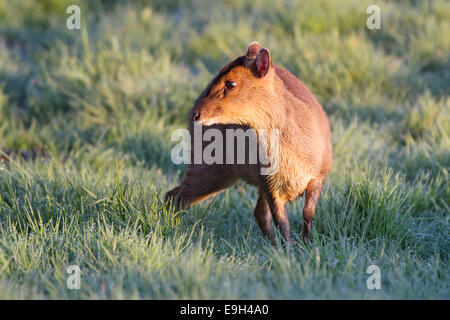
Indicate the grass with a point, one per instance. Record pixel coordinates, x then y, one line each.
85 123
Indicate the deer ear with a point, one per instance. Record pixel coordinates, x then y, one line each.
262 62
252 50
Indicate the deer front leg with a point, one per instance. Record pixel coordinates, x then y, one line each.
264 217
313 191
280 218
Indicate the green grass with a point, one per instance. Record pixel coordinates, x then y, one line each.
86 118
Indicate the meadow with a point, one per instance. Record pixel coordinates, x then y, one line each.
86 118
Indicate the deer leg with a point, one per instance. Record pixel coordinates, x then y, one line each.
264 218
313 191
280 218
199 183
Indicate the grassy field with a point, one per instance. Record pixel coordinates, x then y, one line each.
85 123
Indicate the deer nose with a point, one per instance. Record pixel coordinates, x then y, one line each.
196 115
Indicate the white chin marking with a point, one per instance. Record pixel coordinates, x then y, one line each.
207 122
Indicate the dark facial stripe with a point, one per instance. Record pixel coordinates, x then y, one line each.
225 70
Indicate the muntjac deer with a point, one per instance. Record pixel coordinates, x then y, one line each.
252 92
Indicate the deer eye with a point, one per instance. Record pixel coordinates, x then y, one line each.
230 84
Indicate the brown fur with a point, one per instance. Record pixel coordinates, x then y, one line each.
266 96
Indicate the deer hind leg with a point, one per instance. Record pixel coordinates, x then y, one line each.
313 191
264 218
199 183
